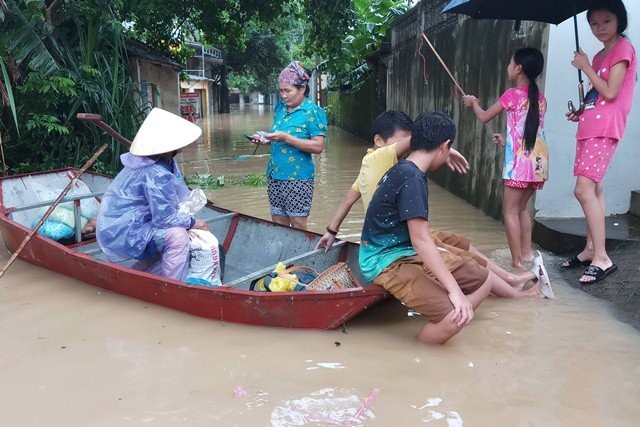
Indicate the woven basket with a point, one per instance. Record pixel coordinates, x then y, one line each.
335 277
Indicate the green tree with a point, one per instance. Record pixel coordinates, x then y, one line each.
58 58
260 61
65 58
336 34
344 32
166 23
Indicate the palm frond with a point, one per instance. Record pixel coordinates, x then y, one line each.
27 43
6 84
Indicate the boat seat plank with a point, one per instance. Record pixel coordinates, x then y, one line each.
50 202
213 218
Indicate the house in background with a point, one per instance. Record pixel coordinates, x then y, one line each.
156 75
205 91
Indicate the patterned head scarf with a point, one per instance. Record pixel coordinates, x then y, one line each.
294 74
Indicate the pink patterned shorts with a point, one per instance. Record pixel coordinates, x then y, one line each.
523 184
593 156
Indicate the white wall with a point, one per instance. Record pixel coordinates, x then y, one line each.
560 86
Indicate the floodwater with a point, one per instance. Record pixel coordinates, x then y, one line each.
72 354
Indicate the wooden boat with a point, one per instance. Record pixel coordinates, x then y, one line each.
253 247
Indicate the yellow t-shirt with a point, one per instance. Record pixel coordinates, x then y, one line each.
374 165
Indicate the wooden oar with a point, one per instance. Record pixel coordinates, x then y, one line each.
96 119
34 230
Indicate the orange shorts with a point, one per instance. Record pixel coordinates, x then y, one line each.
417 288
456 244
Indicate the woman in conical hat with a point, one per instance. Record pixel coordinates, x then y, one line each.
139 217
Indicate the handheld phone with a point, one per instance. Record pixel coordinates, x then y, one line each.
261 139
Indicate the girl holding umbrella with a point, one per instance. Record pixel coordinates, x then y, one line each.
601 125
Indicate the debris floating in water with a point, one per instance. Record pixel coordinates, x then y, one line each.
240 391
367 402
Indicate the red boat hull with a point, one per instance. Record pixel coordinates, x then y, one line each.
309 309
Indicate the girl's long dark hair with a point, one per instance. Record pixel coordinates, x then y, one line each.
532 61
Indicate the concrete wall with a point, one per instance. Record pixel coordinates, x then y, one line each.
477 54
164 77
556 200
355 111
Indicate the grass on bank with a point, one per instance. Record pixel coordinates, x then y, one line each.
211 182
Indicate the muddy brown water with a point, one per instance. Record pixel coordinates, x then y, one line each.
72 354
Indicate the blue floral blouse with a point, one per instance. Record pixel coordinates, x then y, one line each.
306 121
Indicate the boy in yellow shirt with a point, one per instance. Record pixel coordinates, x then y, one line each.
391 132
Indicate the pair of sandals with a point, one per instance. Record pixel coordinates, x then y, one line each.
538 269
597 273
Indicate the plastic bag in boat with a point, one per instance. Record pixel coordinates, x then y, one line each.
60 224
204 259
194 203
283 279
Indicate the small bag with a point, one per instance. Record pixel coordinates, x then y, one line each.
333 278
204 259
285 279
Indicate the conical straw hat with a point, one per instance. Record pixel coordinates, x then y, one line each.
163 132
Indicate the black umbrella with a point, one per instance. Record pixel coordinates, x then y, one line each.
549 11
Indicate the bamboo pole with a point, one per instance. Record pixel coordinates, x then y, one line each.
444 65
455 82
34 230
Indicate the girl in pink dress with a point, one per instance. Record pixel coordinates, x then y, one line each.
600 126
526 158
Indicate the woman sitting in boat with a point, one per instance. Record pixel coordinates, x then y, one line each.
139 217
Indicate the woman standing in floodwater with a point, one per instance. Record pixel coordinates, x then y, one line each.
299 130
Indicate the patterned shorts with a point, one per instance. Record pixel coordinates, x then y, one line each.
593 156
290 197
523 184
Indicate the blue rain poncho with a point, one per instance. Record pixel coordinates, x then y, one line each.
141 202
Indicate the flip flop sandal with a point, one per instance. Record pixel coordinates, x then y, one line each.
575 262
540 272
597 273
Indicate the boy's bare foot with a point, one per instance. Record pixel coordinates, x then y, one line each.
519 281
534 292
